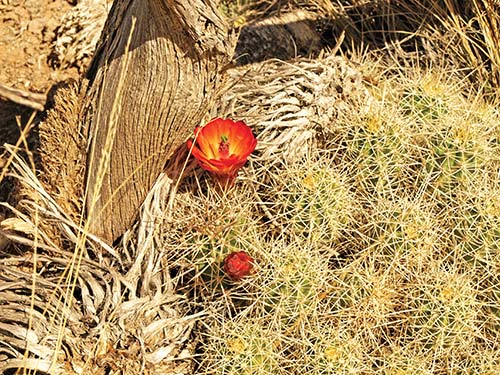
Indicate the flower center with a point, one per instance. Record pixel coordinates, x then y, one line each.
224 146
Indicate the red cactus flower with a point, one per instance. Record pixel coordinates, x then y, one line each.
222 147
238 265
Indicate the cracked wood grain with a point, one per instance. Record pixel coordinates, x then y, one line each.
176 52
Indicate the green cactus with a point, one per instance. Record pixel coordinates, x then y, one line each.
378 154
316 203
249 351
329 353
450 163
476 237
211 251
293 291
442 313
422 105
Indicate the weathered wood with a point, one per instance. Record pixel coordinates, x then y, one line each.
176 52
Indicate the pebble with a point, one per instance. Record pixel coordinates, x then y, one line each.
36 26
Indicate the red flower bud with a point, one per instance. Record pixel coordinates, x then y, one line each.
238 265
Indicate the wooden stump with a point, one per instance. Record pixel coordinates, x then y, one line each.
136 117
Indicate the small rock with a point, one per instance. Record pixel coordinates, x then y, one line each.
36 26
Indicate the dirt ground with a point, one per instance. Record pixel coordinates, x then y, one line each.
27 32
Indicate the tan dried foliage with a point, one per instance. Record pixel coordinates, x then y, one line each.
63 151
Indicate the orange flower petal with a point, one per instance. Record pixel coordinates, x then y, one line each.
206 141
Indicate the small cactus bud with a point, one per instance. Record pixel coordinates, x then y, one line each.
238 264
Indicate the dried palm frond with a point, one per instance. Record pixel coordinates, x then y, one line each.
67 312
288 103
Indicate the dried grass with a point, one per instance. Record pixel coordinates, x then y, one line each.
464 34
78 34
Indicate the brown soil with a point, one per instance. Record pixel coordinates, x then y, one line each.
27 29
27 32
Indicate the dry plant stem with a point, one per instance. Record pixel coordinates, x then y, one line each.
62 152
34 281
71 274
103 165
51 209
28 99
22 139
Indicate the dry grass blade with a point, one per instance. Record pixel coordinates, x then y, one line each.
77 36
122 307
29 99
